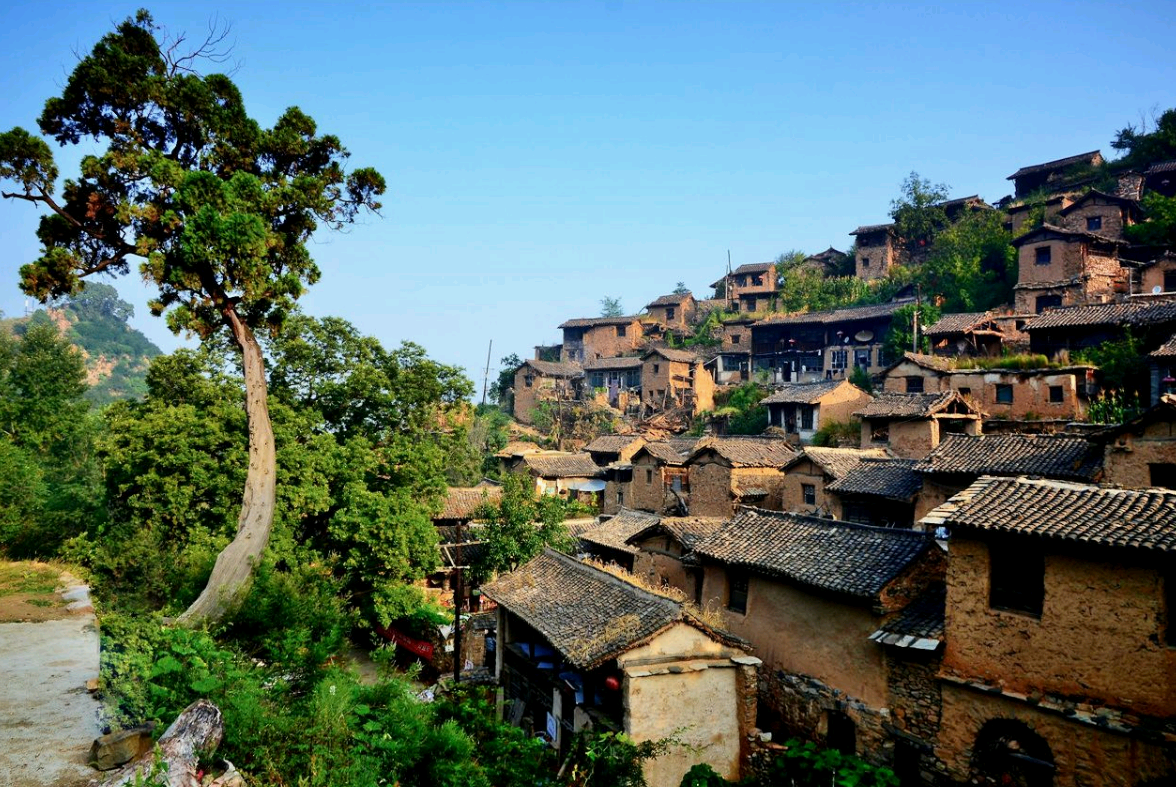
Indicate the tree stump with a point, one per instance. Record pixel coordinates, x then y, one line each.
198 730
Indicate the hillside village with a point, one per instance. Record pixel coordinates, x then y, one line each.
944 547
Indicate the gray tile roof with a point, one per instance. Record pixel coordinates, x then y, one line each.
840 557
920 625
891 479
904 405
614 533
557 464
462 502
867 229
1053 229
802 393
668 300
1133 313
670 354
836 462
588 615
932 362
747 451
1165 350
664 452
1081 158
612 443
622 362
593 322
1049 456
550 369
837 315
690 530
957 323
1138 519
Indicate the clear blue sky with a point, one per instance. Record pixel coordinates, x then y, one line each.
542 156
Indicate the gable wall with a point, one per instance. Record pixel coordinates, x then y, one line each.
1126 459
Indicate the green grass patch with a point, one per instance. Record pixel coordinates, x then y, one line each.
34 578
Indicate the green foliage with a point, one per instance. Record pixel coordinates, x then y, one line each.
804 289
702 775
611 307
917 213
500 389
745 415
1113 407
611 759
839 434
1159 225
520 525
900 338
808 765
861 378
487 436
1122 363
1142 147
971 264
681 289
1015 361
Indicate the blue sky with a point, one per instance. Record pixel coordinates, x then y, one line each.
542 156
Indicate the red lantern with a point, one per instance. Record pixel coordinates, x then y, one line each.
611 683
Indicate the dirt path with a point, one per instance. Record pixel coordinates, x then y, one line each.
47 718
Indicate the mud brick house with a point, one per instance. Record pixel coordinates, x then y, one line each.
607 539
732 364
878 492
588 338
1059 393
878 250
829 262
673 311
660 480
1080 327
1162 368
1063 267
676 378
966 334
962 459
748 288
800 409
801 348
610 448
1019 213
725 472
1065 174
579 647
1059 655
1142 452
665 552
1155 276
540 381
572 475
911 425
617 380
808 593
462 503
1101 214
808 473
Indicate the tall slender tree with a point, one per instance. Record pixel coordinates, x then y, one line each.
218 210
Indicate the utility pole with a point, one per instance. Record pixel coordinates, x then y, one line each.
486 376
458 598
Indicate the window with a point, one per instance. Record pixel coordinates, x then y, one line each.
839 358
865 262
965 392
622 329
1016 576
1057 394
1093 223
810 494
1163 475
1042 255
880 433
737 592
1170 609
757 281
656 368
669 313
914 385
840 732
620 497
529 380
806 416
648 476
1004 393
735 337
1169 281
598 379
1047 302
861 358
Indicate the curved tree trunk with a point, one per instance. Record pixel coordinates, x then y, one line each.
195 732
229 582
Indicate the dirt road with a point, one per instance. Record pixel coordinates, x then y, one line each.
47 718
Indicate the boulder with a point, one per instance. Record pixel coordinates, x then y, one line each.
116 748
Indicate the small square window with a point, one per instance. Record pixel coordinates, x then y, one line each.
648 476
1169 281
529 380
1016 578
737 592
880 433
810 494
1093 223
1057 394
656 368
965 391
865 262
914 385
1162 474
669 314
1046 302
1042 255
1004 393
622 329
735 337
757 281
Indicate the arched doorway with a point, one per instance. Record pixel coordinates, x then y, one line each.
1009 753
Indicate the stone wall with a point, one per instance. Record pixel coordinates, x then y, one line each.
659 561
906 439
1110 213
526 398
875 255
710 488
804 472
602 341
647 492
1153 275
1126 459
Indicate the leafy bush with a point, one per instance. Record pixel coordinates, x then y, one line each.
808 765
839 434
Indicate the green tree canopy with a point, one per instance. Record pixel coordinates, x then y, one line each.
520 525
611 307
917 212
972 265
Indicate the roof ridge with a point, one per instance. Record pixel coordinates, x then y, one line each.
610 577
844 523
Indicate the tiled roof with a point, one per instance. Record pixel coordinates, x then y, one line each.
1141 519
866 229
669 300
802 393
1047 229
913 405
932 362
592 322
747 451
612 443
462 502
550 369
891 479
664 452
1165 350
836 556
951 203
919 625
615 532
1094 194
1163 166
589 615
517 448
624 362
1049 456
836 462
957 323
1136 313
1081 158
837 315
690 530
753 267
670 354
448 534
557 464
826 255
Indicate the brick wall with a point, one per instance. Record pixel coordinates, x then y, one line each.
795 478
1126 459
710 488
647 491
